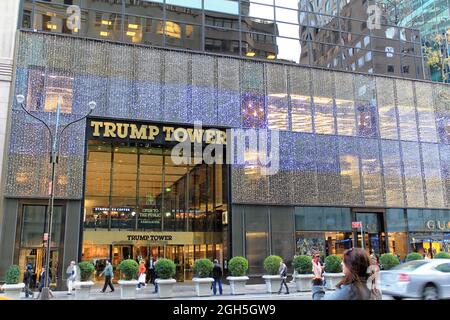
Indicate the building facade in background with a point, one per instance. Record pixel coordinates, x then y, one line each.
432 19
353 146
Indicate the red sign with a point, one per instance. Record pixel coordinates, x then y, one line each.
357 224
45 236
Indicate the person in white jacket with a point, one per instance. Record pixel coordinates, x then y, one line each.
71 276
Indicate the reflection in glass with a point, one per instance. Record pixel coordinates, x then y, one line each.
300 100
425 112
277 98
406 110
387 113
432 174
393 184
371 172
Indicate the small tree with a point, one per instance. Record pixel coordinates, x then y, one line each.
272 264
333 264
13 275
165 269
203 268
128 269
388 261
86 270
442 255
238 266
302 264
413 256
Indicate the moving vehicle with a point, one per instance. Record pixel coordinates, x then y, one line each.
422 279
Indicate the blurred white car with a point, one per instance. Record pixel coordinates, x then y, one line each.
423 279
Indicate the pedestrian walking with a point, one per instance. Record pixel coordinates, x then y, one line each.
28 280
217 276
71 273
317 270
142 273
42 277
282 271
153 273
108 273
354 285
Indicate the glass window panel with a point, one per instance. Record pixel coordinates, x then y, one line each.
221 20
98 169
277 98
181 35
325 55
252 95
194 4
387 113
413 174
291 50
256 236
27 13
96 212
222 6
153 9
103 25
393 183
112 6
258 25
287 30
354 26
294 4
425 111
345 108
445 165
406 110
366 119
386 63
287 15
282 233
323 89
51 18
432 173
256 45
371 172
396 220
300 99
143 30
322 218
257 11
325 35
221 41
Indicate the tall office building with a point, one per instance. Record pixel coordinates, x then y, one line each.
363 139
432 19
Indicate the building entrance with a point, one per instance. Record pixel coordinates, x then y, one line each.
373 234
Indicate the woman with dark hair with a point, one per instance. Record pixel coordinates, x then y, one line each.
356 284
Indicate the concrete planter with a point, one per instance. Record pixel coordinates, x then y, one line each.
332 279
237 284
13 291
203 286
165 287
273 283
128 289
303 282
83 289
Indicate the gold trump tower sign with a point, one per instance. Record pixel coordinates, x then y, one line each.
155 133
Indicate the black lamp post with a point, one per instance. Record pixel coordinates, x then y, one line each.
54 156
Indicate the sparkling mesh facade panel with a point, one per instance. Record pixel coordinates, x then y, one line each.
326 119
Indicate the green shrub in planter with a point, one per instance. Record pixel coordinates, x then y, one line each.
413 256
86 270
13 275
388 261
203 268
272 264
165 269
333 264
238 266
442 255
128 269
302 264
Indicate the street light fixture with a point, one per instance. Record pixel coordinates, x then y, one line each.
55 141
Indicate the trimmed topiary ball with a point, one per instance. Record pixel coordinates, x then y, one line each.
413 256
128 269
302 264
388 261
333 264
86 270
272 264
12 275
238 266
442 255
203 268
165 269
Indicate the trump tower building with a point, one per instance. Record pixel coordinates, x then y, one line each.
362 135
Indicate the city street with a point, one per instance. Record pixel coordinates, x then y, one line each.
186 291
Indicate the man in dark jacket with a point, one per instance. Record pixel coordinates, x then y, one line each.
282 271
28 280
217 276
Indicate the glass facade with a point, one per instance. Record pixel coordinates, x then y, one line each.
328 34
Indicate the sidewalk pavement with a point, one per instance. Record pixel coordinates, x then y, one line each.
186 291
